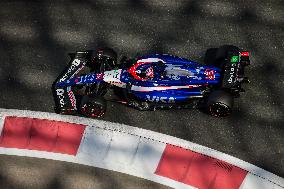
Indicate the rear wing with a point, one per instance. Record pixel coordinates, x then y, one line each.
234 70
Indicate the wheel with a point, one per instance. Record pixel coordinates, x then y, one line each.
220 103
93 106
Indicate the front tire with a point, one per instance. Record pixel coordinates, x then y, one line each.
220 103
93 106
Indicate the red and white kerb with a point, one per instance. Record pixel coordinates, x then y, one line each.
134 151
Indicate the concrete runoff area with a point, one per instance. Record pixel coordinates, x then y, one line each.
36 36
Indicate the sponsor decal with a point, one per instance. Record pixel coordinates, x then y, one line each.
75 63
232 71
72 97
245 53
160 99
174 77
210 74
150 72
60 94
100 76
88 78
235 59
117 74
112 76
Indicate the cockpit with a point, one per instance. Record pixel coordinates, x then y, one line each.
147 70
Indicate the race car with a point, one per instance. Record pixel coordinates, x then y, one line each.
151 82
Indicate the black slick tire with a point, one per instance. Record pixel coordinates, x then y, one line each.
93 106
220 103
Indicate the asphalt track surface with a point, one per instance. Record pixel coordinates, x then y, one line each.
36 36
48 174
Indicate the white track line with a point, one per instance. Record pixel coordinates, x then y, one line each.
1 123
104 150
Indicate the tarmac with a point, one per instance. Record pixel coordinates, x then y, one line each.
36 37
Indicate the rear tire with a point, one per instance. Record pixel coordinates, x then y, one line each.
93 106
220 103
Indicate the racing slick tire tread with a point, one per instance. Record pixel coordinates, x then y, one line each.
93 106
220 103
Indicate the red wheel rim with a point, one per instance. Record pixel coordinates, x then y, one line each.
92 110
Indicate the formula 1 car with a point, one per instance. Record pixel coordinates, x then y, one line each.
151 82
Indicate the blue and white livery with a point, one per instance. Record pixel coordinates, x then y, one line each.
161 80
